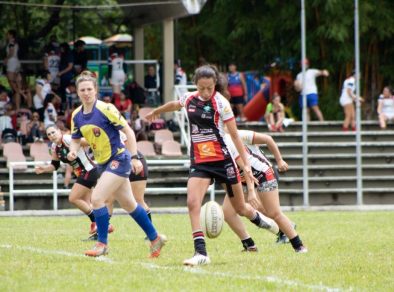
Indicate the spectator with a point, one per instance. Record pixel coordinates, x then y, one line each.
71 96
35 129
347 102
136 94
385 107
80 57
275 114
139 127
266 87
43 88
310 89
117 72
65 70
8 119
238 91
123 104
52 63
180 77
4 100
25 93
107 98
50 114
150 84
12 63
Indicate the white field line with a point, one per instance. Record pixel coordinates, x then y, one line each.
54 252
265 279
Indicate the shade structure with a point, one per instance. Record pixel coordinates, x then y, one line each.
89 41
119 38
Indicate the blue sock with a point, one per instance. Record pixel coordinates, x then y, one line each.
102 222
142 219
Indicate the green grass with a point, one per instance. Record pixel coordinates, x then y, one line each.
347 250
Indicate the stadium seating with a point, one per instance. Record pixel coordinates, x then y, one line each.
13 152
146 148
163 135
171 148
40 151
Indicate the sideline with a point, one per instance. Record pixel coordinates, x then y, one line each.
183 210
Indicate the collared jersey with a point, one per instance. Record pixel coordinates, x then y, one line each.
81 165
206 121
100 128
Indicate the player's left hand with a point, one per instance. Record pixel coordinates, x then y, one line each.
137 166
249 173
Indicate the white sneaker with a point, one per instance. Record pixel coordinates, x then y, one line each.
268 223
197 260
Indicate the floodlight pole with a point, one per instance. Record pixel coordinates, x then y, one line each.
358 107
304 111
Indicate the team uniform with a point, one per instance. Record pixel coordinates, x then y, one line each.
261 167
235 88
349 83
118 75
83 167
13 64
101 128
209 155
310 89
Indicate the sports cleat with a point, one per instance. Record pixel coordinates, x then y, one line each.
197 260
301 249
111 228
156 245
282 238
268 223
92 237
98 250
93 228
252 248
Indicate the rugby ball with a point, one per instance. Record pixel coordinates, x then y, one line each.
211 219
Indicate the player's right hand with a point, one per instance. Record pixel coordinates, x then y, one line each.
72 155
152 116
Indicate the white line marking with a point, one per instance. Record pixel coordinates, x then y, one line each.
54 252
270 279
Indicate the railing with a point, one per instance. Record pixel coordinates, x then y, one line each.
56 191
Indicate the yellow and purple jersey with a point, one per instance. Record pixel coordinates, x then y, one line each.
100 128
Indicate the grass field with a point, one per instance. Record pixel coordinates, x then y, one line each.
347 251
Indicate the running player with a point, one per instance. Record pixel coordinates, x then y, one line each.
208 111
83 167
267 189
99 123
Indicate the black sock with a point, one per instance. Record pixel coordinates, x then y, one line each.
199 242
91 216
256 220
148 212
248 242
296 242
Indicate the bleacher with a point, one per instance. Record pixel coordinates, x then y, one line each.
332 169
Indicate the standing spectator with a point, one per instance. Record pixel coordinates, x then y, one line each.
346 100
275 114
43 88
266 87
80 57
238 90
310 89
52 63
65 70
25 92
150 84
385 107
118 75
12 63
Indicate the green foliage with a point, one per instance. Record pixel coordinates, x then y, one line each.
347 250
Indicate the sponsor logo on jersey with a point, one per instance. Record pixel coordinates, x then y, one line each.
114 164
192 108
207 108
206 149
230 172
194 129
96 132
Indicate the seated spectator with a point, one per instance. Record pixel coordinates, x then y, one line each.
50 114
4 100
25 93
35 129
43 88
136 93
385 107
123 104
275 114
138 126
107 98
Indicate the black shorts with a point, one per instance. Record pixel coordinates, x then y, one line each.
89 179
224 172
143 175
237 100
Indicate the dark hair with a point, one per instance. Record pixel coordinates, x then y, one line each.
388 88
49 98
44 74
12 32
210 71
79 43
65 47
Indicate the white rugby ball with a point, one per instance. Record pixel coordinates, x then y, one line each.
211 219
